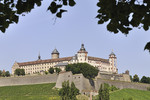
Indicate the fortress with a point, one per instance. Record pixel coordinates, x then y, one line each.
38 66
108 72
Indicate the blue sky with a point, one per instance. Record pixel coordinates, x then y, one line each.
38 32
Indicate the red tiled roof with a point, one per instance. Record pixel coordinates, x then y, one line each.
45 61
98 59
59 60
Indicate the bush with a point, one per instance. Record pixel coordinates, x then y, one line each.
19 72
46 72
87 70
135 78
145 79
68 92
113 88
103 93
7 74
51 70
57 70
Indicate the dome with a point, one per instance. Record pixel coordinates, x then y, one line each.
55 51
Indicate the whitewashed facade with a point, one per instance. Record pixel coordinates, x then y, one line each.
38 66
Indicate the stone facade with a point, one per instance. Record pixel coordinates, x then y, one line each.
104 65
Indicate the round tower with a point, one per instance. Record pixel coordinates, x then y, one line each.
55 54
113 62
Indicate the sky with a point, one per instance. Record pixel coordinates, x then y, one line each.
38 32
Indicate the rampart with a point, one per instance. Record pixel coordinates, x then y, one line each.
25 80
121 84
80 81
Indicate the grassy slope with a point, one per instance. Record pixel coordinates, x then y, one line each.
45 92
29 92
127 93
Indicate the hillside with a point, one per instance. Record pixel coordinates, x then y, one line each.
45 92
127 93
29 92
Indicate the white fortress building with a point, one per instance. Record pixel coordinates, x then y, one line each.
104 65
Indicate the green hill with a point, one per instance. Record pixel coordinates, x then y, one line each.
128 93
45 92
29 92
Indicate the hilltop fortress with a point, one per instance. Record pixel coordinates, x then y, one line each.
104 65
108 72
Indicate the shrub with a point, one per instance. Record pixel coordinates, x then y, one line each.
51 70
87 70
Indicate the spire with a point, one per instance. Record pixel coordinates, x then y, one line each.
39 57
82 48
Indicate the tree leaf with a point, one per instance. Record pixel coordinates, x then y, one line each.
71 3
147 47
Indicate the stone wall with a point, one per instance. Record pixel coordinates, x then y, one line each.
25 80
119 77
79 80
121 84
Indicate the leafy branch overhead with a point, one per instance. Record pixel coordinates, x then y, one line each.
10 10
124 15
121 15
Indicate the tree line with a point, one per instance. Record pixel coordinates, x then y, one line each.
144 79
21 72
4 73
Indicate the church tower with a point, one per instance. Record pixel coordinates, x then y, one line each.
82 54
113 62
55 54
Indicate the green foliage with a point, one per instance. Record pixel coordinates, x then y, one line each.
135 78
117 12
10 10
19 72
4 74
121 15
104 92
68 92
51 70
46 72
130 98
0 73
145 79
7 74
87 70
147 47
131 78
57 70
113 88
73 92
124 15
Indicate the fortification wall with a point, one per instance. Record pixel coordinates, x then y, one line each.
121 84
25 80
79 80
